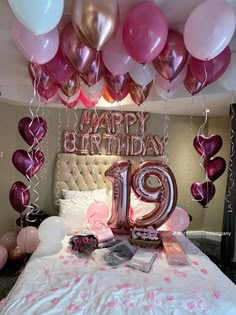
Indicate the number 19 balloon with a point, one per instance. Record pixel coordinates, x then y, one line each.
164 195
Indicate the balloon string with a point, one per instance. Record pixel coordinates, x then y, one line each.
59 150
165 129
191 153
200 132
230 168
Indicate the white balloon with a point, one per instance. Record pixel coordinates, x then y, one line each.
143 74
96 88
228 79
51 230
38 16
209 29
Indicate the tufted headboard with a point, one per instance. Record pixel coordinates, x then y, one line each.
86 172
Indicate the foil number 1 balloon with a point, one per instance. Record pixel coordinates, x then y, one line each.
164 195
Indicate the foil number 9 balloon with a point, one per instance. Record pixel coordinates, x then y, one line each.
164 194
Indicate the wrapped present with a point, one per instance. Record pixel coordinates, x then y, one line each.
174 252
84 243
145 237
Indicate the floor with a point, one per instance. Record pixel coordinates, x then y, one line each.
10 273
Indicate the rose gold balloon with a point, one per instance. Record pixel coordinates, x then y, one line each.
16 254
70 87
40 74
118 82
96 21
192 84
120 176
164 194
138 92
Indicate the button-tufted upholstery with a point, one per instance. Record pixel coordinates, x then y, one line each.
80 172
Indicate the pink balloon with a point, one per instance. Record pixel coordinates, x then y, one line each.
171 85
94 72
27 239
209 29
210 71
8 240
97 211
145 32
3 256
85 102
37 49
178 220
115 56
40 75
59 69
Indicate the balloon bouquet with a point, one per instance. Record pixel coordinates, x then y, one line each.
13 245
122 52
214 167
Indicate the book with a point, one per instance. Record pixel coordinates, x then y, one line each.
142 260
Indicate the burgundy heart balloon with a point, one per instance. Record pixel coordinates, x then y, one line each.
118 96
28 163
173 57
203 192
207 146
192 84
116 83
19 196
94 71
77 53
138 92
215 167
40 74
32 131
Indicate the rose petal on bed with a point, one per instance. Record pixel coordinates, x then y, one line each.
55 300
90 280
217 294
204 271
151 295
196 263
169 298
167 279
77 280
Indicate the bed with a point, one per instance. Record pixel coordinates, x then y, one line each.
69 283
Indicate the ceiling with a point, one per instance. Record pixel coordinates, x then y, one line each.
16 88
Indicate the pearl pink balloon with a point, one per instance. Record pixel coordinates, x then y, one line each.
171 85
3 256
8 240
115 56
27 239
178 221
37 49
97 211
145 32
86 102
209 29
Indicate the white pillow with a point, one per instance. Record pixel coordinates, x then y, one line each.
74 208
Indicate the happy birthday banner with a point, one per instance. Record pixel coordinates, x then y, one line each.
111 132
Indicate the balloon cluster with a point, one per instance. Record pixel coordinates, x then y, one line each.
214 167
112 50
27 162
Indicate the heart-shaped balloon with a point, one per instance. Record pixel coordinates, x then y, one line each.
94 72
215 168
76 52
203 192
138 92
40 75
28 163
19 196
207 146
116 83
32 131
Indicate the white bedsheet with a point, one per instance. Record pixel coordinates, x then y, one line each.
68 284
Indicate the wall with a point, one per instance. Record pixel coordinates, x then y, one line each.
221 126
7 171
183 159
